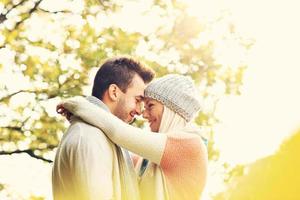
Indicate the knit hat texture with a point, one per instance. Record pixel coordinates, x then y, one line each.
177 92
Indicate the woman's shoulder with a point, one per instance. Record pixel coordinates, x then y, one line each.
183 149
191 132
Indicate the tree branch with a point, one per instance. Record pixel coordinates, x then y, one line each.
30 152
29 14
13 128
17 128
12 94
28 91
3 16
54 12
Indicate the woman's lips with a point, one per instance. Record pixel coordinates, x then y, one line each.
151 122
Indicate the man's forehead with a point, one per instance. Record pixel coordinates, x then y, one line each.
138 89
137 82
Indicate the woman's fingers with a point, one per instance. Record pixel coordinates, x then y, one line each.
68 115
60 109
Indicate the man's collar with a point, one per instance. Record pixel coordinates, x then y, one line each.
97 102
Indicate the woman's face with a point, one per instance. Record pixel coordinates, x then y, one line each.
153 113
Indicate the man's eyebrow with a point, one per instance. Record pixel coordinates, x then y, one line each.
140 97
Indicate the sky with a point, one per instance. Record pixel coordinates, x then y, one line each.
252 125
268 110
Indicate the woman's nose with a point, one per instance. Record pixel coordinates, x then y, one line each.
145 114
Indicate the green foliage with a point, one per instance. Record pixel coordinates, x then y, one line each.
1 187
56 62
233 172
273 177
36 198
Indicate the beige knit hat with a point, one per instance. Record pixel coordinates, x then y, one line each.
177 92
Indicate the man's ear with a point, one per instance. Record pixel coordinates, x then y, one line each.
113 92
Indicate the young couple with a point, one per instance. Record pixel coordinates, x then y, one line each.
92 161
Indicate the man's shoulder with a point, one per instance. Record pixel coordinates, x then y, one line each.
83 127
80 131
85 143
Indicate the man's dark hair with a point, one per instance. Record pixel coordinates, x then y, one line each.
119 71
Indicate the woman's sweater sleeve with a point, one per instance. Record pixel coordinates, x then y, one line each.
147 144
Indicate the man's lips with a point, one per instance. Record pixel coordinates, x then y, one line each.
131 116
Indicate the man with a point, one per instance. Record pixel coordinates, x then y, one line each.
88 166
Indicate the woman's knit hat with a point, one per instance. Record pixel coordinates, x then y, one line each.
177 92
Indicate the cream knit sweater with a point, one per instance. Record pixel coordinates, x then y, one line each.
89 166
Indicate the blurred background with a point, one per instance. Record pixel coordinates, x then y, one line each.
242 54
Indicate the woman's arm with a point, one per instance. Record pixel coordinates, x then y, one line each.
147 144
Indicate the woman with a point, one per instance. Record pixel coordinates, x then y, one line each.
177 165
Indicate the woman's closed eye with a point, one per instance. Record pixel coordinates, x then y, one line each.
149 106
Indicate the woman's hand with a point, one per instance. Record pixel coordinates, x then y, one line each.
60 109
73 106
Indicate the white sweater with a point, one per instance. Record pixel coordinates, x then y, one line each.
88 166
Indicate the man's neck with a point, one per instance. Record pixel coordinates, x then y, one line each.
98 102
110 105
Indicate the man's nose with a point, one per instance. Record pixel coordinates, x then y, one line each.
138 110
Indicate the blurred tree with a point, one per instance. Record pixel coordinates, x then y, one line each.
1 187
36 198
273 177
51 46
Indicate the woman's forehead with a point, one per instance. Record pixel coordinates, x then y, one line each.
148 100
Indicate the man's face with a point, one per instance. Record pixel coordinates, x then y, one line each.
129 103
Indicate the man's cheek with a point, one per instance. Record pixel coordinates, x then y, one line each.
133 105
